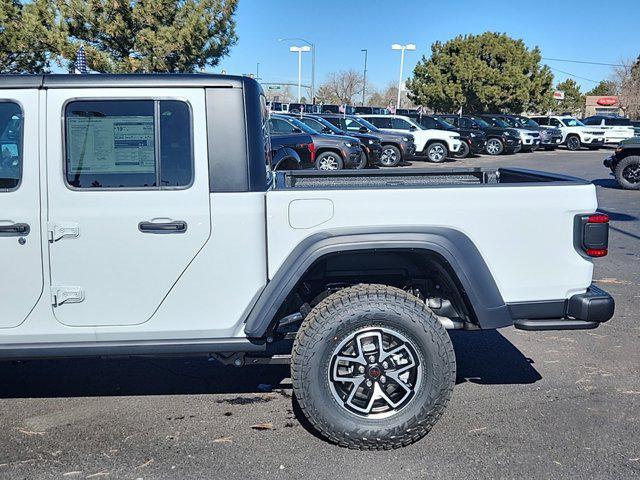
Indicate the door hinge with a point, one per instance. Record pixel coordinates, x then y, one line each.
60 295
58 230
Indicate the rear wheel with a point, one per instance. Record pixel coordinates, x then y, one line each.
391 156
573 142
437 152
627 172
494 146
329 161
372 368
363 161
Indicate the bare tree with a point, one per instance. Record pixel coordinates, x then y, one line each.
340 87
627 81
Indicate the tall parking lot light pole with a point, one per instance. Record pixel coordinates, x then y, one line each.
313 62
364 76
299 51
397 46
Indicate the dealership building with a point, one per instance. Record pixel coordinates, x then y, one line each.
602 105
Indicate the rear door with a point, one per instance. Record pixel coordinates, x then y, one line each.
128 199
21 273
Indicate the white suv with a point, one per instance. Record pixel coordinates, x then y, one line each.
575 134
615 129
431 143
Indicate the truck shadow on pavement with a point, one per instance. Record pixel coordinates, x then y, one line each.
483 357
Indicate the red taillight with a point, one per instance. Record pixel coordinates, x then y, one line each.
597 252
598 218
312 150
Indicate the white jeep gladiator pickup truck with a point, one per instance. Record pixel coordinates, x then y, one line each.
140 217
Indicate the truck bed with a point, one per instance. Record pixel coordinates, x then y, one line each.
417 178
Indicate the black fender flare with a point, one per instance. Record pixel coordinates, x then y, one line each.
452 245
285 154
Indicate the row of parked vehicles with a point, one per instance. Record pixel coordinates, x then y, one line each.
349 138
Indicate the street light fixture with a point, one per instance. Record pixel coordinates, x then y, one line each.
313 61
397 46
299 51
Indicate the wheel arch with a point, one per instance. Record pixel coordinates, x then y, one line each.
322 150
457 252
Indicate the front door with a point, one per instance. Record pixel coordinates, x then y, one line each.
21 274
128 200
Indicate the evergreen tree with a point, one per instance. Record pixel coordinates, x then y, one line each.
490 72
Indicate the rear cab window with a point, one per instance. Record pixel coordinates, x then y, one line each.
11 142
137 144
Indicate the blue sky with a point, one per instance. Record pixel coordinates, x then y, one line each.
598 31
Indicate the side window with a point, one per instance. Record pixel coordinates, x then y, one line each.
311 123
128 144
554 122
541 120
400 124
280 126
462 122
381 122
11 123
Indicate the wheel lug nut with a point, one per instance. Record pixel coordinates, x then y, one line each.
385 365
383 379
369 383
361 369
372 359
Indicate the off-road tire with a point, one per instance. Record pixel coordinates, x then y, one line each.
338 317
630 162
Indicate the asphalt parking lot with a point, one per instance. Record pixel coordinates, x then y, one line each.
527 405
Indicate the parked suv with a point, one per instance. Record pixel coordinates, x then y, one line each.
435 145
615 129
292 151
625 163
332 153
396 147
473 140
499 140
165 232
575 134
529 139
371 145
550 138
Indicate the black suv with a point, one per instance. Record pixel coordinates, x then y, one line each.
331 152
473 140
625 164
371 145
396 147
499 139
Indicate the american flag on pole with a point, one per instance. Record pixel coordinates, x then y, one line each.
420 110
80 65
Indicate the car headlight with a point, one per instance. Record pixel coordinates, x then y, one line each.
371 142
473 135
348 144
406 139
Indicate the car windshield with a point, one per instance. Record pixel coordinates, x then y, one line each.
443 124
300 125
366 124
512 122
527 122
480 122
572 122
497 122
329 125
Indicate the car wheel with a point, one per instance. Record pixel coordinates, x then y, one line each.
627 172
573 143
494 146
363 161
437 152
372 368
391 156
464 150
329 161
